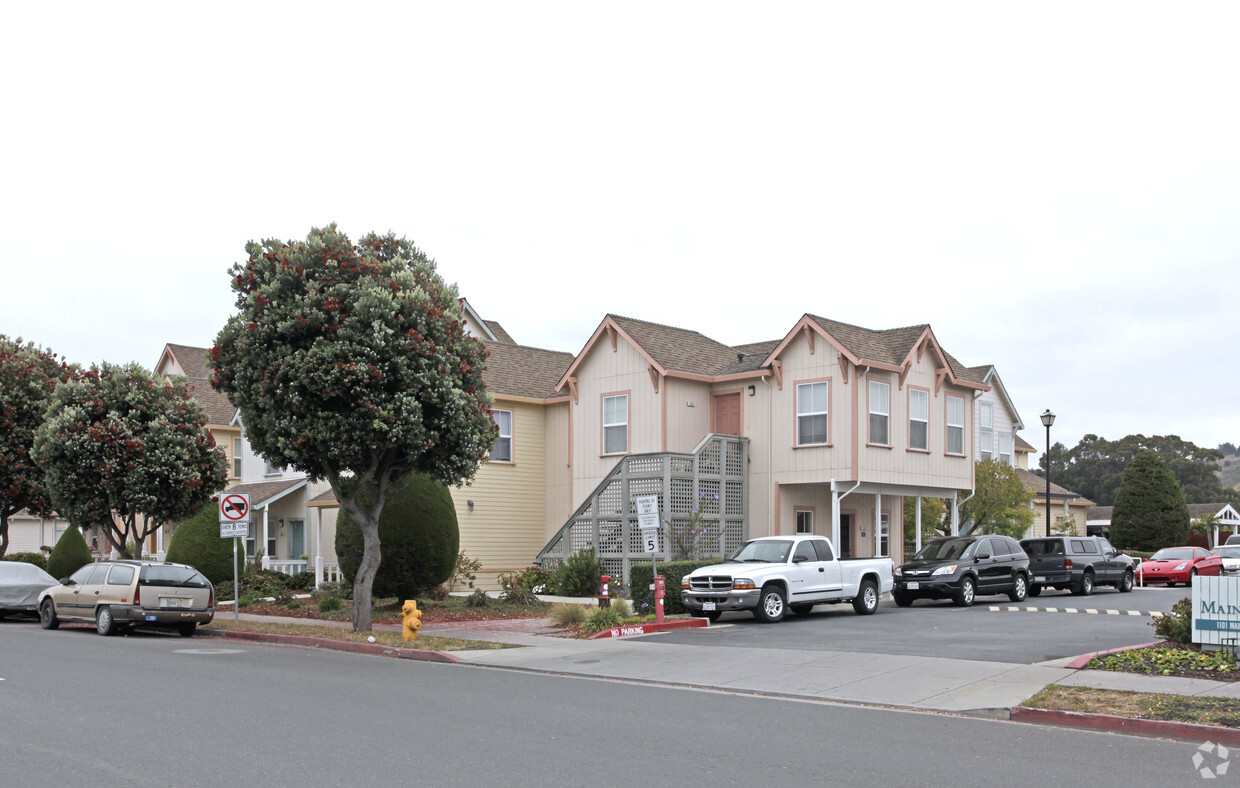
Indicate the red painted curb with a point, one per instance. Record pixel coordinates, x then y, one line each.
1084 659
343 645
646 629
1162 729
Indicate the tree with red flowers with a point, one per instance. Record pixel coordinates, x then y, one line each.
28 375
125 451
350 363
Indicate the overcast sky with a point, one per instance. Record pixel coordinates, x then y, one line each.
1052 187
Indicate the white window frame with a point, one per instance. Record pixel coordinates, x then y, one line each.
807 409
885 415
955 430
269 469
919 413
1005 448
236 458
616 425
986 431
805 521
883 548
503 438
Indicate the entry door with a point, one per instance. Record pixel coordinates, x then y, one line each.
728 414
296 539
845 536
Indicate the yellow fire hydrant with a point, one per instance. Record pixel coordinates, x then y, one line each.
412 620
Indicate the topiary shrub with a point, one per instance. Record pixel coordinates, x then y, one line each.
69 555
1150 512
418 536
38 559
579 575
197 542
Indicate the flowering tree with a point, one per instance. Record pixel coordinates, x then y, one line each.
28 374
127 452
351 364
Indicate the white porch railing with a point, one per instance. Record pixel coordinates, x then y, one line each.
329 573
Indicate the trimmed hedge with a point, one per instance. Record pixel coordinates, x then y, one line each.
641 576
38 559
69 554
197 542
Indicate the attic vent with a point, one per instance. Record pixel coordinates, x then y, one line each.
740 357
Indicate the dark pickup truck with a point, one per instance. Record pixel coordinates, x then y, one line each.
1076 562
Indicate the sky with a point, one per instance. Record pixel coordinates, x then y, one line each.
1052 187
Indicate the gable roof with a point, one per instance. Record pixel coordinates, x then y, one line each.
519 371
500 334
1226 512
990 376
193 362
1037 485
1023 445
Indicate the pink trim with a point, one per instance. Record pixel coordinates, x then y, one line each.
813 510
855 448
775 532
868 442
663 417
964 431
806 322
908 400
628 423
740 399
796 432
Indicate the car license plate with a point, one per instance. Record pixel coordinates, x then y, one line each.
914 586
708 605
149 618
1040 579
176 603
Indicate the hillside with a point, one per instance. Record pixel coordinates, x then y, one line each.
1229 471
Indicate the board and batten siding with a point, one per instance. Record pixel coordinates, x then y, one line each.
790 464
687 423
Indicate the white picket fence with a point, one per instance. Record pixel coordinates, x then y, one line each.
329 573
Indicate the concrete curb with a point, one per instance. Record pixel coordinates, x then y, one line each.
341 645
1161 729
646 629
1084 659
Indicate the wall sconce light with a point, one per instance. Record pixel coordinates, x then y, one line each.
471 505
753 390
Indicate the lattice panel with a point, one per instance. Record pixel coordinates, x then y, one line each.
682 497
581 536
682 465
734 498
557 546
615 568
608 500
734 461
636 545
708 496
611 537
733 535
645 465
550 564
644 487
708 459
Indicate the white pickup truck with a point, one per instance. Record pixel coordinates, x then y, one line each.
773 574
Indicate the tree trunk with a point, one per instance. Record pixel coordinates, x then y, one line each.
366 571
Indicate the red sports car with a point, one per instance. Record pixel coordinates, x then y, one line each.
1173 565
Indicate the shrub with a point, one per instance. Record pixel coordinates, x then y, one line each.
69 555
512 591
1176 626
245 600
536 579
418 534
579 575
603 618
38 559
478 599
464 572
330 604
197 542
293 604
642 575
439 593
566 615
302 581
1150 511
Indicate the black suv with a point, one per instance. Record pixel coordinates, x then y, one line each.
962 567
1078 563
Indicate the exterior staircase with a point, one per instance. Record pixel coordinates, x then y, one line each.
703 505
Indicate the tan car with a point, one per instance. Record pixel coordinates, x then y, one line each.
122 595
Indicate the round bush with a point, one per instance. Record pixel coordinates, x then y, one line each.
418 539
197 542
69 555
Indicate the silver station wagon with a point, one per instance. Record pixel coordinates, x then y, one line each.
119 596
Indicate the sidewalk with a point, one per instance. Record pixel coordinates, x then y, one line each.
983 689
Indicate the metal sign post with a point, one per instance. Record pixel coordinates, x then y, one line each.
235 523
648 522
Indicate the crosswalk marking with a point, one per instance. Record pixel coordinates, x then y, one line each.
1088 611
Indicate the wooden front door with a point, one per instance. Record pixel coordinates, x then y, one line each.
727 414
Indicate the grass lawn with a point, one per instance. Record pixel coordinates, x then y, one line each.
382 637
1140 705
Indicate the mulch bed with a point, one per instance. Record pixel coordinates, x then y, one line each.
432 612
1182 671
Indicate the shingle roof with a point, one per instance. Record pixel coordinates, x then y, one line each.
262 492
522 371
751 357
889 346
1037 485
678 349
1023 445
499 332
193 360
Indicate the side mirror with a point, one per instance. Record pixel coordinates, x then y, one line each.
799 559
982 556
67 581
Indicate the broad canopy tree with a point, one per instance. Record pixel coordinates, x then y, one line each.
125 451
1150 511
1000 502
350 363
28 375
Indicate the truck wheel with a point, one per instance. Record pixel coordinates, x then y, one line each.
1085 586
968 589
866 600
1035 589
1019 588
1125 585
902 600
771 605
801 610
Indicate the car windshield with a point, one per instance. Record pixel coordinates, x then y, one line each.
1173 554
773 552
1232 551
945 549
181 576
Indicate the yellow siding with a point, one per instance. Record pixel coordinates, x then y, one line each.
558 483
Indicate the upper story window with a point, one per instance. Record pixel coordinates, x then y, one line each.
812 413
955 425
501 451
986 431
880 413
236 458
1005 448
616 424
269 469
919 419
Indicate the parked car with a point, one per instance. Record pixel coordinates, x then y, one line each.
1234 539
20 584
1173 565
123 595
962 567
1077 563
1231 558
773 574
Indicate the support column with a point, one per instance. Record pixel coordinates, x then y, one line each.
263 545
878 524
955 517
318 546
835 518
917 537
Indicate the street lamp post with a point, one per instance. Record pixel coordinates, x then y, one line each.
1048 419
